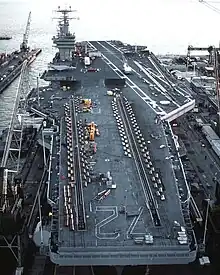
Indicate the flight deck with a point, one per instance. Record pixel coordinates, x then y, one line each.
116 178
116 183
165 95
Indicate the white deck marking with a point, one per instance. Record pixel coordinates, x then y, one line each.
99 225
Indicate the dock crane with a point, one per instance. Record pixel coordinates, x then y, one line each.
214 59
209 49
24 44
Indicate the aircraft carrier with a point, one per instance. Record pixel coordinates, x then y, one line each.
117 187
105 159
11 64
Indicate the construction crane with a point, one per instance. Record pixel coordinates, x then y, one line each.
24 44
217 80
213 56
209 49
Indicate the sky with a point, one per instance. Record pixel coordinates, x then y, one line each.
164 25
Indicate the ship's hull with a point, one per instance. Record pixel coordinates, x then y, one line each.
17 71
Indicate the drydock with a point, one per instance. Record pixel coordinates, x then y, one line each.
116 183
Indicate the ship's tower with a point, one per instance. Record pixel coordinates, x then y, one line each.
64 40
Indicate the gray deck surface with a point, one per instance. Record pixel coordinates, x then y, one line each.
176 97
107 229
110 157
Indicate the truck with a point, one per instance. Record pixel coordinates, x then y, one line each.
127 68
11 68
87 61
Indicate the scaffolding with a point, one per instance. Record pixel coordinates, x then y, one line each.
11 163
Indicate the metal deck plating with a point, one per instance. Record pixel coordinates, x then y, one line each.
116 182
110 235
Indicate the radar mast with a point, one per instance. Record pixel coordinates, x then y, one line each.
64 41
